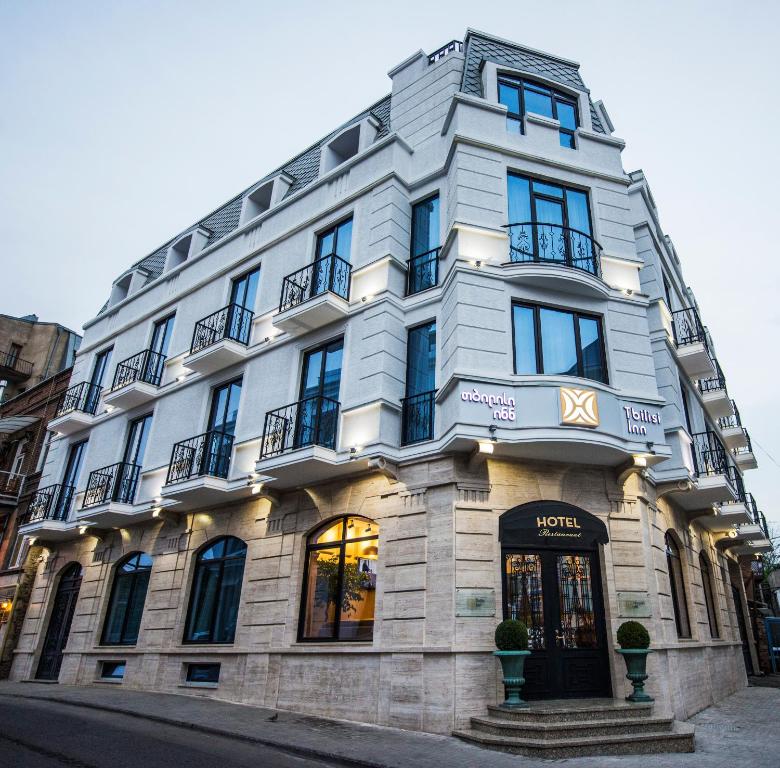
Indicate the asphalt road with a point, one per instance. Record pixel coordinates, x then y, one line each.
38 734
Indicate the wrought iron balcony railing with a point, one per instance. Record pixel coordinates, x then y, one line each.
329 273
733 421
422 272
232 322
715 383
542 243
755 513
688 328
11 363
417 412
451 47
80 397
311 421
11 484
146 366
748 448
206 454
710 456
50 503
117 482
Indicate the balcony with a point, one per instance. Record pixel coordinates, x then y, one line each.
136 380
14 367
299 442
111 491
422 272
11 484
199 469
220 340
690 338
717 482
731 429
744 455
315 296
553 244
76 408
714 395
47 515
417 417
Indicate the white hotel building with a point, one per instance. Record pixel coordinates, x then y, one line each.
439 369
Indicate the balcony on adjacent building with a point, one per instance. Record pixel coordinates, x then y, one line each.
422 272
199 469
14 367
417 417
714 395
76 409
300 441
47 514
11 484
731 429
749 537
220 340
315 296
744 455
136 380
690 338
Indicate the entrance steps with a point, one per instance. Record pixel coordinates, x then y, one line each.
579 728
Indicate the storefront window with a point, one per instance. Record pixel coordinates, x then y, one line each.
677 587
709 600
339 586
128 594
216 591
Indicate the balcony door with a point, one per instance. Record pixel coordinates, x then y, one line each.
96 381
223 417
70 479
243 293
158 348
133 458
331 274
320 384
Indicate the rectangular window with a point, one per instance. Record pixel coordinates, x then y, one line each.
667 293
203 673
335 241
244 290
112 670
224 408
424 249
14 354
418 406
102 361
558 342
550 223
137 437
521 96
317 419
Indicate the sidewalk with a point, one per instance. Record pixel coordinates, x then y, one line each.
742 729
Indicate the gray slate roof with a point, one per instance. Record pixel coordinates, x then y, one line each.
480 49
303 169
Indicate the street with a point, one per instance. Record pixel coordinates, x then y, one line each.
39 734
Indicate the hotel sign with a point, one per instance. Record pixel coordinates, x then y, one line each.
503 405
554 525
639 419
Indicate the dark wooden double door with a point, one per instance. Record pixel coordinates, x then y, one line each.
557 594
59 624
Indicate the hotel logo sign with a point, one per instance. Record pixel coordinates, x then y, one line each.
579 407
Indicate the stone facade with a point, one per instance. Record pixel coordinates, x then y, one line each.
625 447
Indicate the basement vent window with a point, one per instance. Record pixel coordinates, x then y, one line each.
203 674
342 148
112 670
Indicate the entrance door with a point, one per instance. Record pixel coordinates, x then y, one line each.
557 594
742 630
59 623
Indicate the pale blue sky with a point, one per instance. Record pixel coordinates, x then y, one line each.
123 123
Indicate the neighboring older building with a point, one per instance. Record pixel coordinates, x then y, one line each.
439 369
32 351
24 441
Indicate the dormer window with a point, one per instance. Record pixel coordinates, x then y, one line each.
186 247
348 143
521 96
265 195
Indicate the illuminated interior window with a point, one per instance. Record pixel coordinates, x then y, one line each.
339 585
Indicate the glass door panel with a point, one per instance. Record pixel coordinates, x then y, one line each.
320 378
575 594
550 242
525 595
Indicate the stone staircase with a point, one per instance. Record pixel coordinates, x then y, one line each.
578 728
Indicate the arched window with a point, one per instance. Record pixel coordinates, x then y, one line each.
128 594
709 599
677 587
339 581
216 591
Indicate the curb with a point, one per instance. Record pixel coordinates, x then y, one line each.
299 751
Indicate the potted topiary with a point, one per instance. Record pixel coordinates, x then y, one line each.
512 643
634 641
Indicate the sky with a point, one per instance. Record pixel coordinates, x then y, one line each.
122 123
